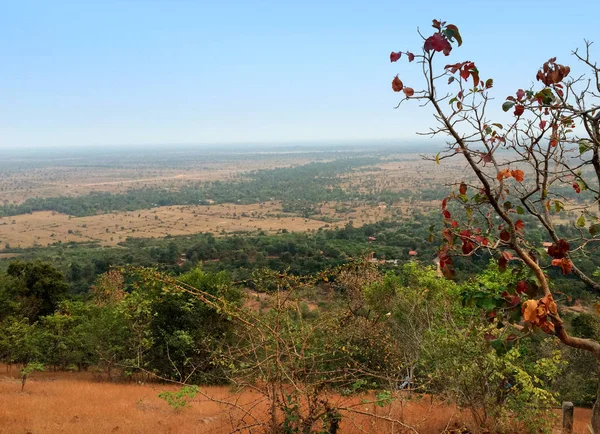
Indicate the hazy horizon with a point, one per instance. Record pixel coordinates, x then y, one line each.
134 73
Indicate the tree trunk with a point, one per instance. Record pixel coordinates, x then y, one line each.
596 409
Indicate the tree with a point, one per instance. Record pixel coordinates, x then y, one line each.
534 169
38 286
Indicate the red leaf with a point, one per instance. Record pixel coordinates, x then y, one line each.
438 43
559 250
397 84
576 187
448 236
465 234
503 260
520 94
463 188
447 214
481 240
453 68
395 56
521 287
513 300
502 263
475 75
487 158
411 56
542 125
454 224
409 91
519 109
444 203
519 225
505 236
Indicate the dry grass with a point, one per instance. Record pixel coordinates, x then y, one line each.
46 227
73 403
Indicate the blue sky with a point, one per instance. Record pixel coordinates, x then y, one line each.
81 73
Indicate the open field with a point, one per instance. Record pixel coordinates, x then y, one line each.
410 173
58 402
406 172
45 227
18 185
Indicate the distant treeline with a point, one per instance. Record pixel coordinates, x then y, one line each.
301 253
299 188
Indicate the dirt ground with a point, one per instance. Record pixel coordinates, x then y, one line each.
46 227
74 403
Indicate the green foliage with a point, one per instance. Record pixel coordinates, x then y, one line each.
28 369
32 367
510 391
38 286
180 399
19 340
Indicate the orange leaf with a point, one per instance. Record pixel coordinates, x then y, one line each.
547 326
529 309
504 173
518 175
565 265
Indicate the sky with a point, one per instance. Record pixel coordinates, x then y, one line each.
135 72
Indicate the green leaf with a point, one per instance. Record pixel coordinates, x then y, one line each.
580 223
487 304
507 105
498 345
469 212
458 37
498 125
583 147
520 210
594 229
507 205
437 158
558 206
546 96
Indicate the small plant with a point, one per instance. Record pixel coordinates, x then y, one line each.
28 369
180 399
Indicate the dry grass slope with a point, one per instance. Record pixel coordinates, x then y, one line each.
73 403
